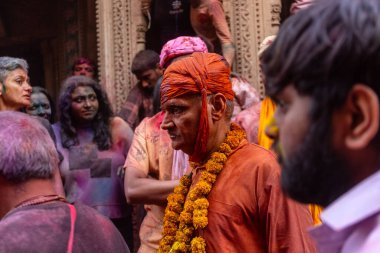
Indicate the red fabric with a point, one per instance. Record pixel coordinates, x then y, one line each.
73 215
203 74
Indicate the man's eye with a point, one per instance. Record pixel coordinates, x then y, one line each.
176 110
46 106
283 106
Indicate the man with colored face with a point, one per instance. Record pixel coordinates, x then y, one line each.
231 201
323 72
84 67
139 103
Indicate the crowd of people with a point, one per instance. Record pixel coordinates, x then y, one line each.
216 168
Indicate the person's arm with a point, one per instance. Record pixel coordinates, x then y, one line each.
142 190
222 30
285 220
138 186
122 133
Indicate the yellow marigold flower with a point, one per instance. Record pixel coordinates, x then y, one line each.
203 187
200 212
198 245
169 231
167 240
225 149
213 167
201 203
188 231
185 217
219 157
181 189
179 247
232 141
208 177
200 222
189 206
185 180
178 198
180 236
171 216
194 194
174 206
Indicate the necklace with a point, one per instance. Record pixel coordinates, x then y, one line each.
40 199
187 209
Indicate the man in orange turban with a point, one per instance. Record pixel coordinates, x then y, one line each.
231 201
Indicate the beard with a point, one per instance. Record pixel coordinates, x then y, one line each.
316 173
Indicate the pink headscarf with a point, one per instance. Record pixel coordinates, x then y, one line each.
299 5
180 46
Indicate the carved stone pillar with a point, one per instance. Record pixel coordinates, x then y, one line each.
119 28
250 22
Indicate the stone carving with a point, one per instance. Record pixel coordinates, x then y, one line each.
276 11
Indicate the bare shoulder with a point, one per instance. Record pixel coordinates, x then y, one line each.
119 127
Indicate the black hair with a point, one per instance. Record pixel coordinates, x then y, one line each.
101 122
145 60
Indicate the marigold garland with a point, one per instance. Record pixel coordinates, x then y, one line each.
187 209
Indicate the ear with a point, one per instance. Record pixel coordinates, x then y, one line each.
159 68
363 105
218 105
1 88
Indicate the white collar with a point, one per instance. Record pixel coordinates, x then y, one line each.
362 201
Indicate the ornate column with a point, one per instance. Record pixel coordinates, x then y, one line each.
119 28
250 22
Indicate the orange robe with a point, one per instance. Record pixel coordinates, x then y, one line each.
248 211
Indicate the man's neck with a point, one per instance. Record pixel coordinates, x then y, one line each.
13 194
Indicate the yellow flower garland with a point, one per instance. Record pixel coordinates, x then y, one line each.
187 210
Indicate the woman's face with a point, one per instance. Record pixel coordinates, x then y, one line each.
39 106
15 91
84 105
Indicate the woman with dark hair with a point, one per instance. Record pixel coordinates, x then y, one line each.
42 104
94 144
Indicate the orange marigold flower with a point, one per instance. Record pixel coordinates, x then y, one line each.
198 245
179 247
194 194
213 167
232 141
185 217
188 231
178 198
189 206
167 240
200 222
180 236
185 180
225 149
181 189
174 206
199 213
219 157
171 216
201 203
208 177
203 187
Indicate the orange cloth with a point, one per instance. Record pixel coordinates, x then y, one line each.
248 211
203 74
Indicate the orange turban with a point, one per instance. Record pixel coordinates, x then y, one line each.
203 74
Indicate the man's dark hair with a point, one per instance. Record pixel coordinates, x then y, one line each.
324 50
101 122
145 60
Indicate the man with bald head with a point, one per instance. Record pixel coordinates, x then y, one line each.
231 201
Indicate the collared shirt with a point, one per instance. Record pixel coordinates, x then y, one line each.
139 104
352 222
